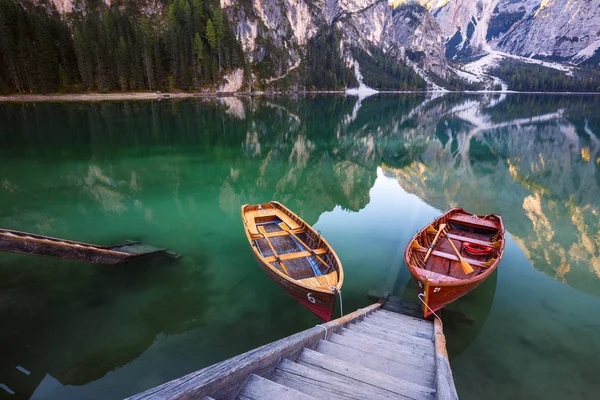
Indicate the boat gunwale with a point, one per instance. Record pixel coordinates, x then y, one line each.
461 282
339 269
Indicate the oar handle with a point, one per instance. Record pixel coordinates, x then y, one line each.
435 239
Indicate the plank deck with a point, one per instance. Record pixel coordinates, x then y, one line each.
369 354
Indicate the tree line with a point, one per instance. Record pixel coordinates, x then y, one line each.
102 48
537 78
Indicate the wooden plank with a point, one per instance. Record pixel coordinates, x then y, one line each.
452 257
401 387
404 321
420 363
402 309
402 329
326 385
405 317
395 336
257 388
413 347
371 361
474 222
469 240
222 380
444 382
293 256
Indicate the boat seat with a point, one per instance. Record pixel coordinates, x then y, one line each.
293 256
266 212
474 222
435 276
324 281
452 257
469 240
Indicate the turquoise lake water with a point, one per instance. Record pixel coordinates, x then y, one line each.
368 173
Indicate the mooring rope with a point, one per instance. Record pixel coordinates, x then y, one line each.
420 296
341 306
324 327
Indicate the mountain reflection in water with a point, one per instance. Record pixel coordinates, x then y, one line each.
175 173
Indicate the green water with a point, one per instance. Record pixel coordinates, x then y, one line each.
367 173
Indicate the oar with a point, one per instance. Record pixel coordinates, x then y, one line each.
435 239
261 229
463 263
286 228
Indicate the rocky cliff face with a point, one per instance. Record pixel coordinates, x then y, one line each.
423 34
562 30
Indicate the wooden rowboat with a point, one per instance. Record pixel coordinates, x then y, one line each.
294 256
453 255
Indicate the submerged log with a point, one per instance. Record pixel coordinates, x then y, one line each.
46 246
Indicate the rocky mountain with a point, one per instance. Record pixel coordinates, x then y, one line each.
444 43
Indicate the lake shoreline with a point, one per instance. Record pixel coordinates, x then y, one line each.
93 97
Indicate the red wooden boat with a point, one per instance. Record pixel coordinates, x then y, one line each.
294 256
453 255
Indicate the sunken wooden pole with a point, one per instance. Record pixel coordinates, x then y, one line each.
39 245
224 379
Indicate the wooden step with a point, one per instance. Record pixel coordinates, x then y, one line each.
426 333
400 387
379 364
405 348
257 388
392 314
325 384
423 326
404 318
421 363
392 335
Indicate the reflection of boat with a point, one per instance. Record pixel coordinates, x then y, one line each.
453 255
294 256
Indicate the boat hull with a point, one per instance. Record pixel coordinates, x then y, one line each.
436 288
437 297
316 283
323 305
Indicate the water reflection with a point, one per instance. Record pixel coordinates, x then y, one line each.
175 173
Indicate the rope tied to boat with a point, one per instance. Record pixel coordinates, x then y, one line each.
420 296
323 327
341 305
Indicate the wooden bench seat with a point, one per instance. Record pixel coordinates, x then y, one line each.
331 279
474 222
293 256
252 215
467 239
452 257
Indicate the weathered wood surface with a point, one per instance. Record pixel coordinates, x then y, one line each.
222 380
328 385
364 345
444 382
357 372
349 358
383 365
257 388
46 246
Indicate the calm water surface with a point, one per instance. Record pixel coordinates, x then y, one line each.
367 173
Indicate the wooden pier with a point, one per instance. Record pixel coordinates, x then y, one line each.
373 353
